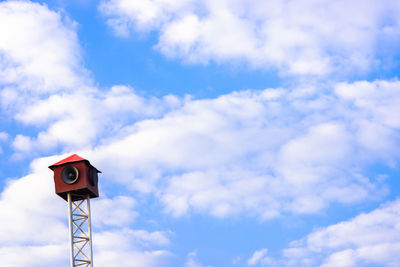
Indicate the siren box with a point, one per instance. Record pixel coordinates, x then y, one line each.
77 176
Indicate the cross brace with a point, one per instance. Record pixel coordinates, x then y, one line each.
80 233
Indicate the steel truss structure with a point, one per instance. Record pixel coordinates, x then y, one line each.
80 233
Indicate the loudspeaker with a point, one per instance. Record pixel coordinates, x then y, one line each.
70 174
77 176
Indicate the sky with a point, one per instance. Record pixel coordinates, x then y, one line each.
228 132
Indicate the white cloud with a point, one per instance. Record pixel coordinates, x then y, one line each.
260 258
39 55
3 136
259 153
127 248
117 211
191 260
43 83
376 105
369 238
22 143
295 37
35 256
32 199
257 256
61 117
38 49
262 153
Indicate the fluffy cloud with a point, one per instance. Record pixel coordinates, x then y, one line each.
257 256
260 153
43 83
51 89
376 105
369 238
30 199
38 50
263 153
191 260
296 37
39 56
35 256
3 136
61 117
128 248
117 211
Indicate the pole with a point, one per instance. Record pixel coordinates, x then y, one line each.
90 231
80 231
71 234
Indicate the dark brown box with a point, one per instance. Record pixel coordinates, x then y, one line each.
84 184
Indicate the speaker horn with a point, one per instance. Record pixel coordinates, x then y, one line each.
70 174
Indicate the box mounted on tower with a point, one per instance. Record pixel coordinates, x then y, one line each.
77 176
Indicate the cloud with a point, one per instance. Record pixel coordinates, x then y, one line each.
376 104
31 199
300 37
262 153
34 256
44 84
135 248
260 258
191 260
61 117
22 143
3 136
259 152
369 238
36 63
45 58
117 211
257 256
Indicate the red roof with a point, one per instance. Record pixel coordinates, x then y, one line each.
72 158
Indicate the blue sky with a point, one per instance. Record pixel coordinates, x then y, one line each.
228 133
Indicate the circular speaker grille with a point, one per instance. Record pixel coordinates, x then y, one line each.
70 174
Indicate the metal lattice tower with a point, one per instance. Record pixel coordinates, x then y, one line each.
80 237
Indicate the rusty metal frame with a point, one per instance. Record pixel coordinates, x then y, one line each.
80 232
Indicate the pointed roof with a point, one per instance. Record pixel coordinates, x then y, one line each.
70 159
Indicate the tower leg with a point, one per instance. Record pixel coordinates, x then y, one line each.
71 238
90 231
80 231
